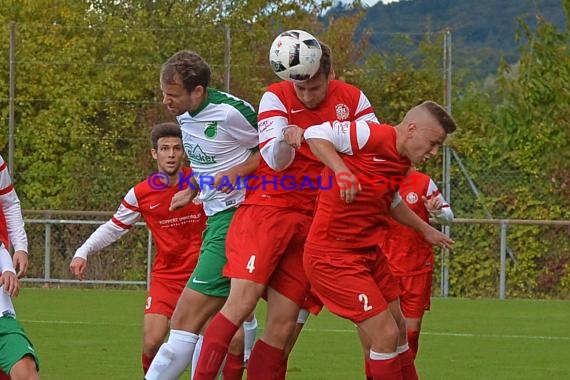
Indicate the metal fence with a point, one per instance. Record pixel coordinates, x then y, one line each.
478 266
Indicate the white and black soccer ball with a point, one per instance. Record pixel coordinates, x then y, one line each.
295 55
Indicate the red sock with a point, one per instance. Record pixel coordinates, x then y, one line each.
367 368
264 362
217 338
414 341
390 369
3 375
145 363
233 369
408 366
282 370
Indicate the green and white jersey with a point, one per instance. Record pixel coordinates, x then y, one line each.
216 137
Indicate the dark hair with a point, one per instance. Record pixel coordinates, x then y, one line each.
187 65
168 129
326 60
441 115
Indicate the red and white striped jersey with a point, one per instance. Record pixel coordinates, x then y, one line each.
177 235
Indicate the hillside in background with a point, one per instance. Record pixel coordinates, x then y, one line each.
483 31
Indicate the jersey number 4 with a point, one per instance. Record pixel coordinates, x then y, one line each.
251 264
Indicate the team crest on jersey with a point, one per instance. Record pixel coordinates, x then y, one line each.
211 129
342 111
412 198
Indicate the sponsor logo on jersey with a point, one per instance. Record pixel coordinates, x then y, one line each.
342 111
198 156
211 129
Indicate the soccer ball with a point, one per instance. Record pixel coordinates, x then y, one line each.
295 55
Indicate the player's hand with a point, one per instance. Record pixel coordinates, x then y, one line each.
20 260
9 282
348 184
77 267
225 181
435 237
182 198
294 136
433 204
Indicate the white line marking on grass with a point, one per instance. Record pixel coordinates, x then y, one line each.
79 323
536 337
468 335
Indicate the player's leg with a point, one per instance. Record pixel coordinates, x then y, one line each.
241 302
250 333
233 367
24 369
301 319
17 355
160 303
414 302
204 295
288 289
343 282
390 287
155 328
253 251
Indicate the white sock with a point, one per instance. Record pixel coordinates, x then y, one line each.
382 355
196 354
173 356
249 334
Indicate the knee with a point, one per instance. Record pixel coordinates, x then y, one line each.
151 344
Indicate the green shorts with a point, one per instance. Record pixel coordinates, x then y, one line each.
207 277
14 344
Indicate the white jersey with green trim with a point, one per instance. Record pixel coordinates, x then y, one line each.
219 135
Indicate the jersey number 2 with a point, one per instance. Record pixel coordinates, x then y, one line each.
364 299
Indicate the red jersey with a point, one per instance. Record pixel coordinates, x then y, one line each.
407 251
11 220
296 185
177 235
369 151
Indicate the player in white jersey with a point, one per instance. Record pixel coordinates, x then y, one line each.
219 132
17 355
11 221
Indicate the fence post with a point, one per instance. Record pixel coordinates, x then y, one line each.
227 58
12 99
503 269
446 186
47 257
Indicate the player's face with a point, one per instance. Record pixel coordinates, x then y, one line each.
178 100
424 140
313 91
169 155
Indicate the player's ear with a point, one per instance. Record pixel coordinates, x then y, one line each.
411 128
154 153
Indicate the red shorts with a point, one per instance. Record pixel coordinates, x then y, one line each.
312 303
415 294
265 245
163 295
355 285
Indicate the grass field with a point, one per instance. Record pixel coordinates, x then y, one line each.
96 334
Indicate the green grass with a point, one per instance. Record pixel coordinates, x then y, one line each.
96 334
